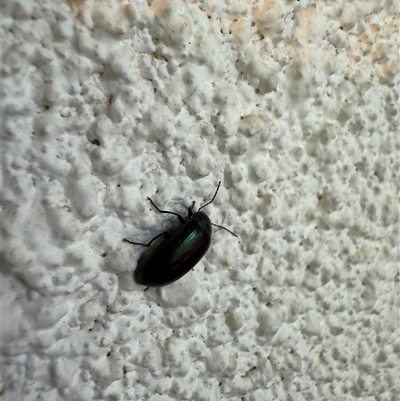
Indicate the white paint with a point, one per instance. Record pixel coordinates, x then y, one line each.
293 106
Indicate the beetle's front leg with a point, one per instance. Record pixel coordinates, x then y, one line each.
190 210
181 219
166 235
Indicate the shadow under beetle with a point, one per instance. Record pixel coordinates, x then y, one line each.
180 251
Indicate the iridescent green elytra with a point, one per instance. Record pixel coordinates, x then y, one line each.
180 251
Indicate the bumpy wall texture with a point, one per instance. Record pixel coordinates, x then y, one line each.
293 105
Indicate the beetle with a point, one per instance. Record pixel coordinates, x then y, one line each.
180 251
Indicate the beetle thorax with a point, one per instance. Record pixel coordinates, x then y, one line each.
204 219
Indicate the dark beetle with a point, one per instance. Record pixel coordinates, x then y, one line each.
180 251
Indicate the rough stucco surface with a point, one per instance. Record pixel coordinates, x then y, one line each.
293 105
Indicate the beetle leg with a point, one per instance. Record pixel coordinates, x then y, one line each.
181 219
166 235
190 210
229 231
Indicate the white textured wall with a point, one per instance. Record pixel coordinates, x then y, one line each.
293 105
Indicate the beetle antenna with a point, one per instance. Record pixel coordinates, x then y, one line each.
229 231
212 200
